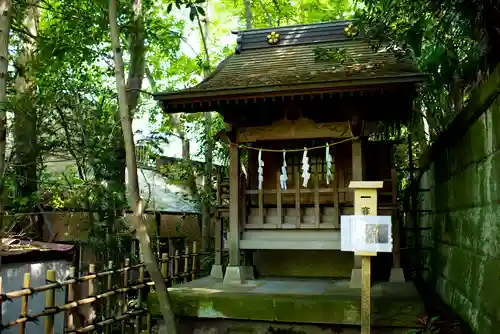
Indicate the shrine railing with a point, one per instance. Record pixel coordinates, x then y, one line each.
300 215
320 212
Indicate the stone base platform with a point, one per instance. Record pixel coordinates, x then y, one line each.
288 300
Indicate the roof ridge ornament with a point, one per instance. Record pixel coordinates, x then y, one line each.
273 38
351 31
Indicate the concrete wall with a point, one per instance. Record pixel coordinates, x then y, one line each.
464 234
12 280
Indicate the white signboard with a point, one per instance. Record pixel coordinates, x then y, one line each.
365 234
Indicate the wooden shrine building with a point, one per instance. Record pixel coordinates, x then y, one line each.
317 88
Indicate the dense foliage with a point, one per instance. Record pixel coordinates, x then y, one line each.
455 42
74 151
62 101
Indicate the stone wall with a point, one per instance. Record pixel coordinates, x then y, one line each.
464 237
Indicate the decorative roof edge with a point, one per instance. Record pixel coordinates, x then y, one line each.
281 28
332 85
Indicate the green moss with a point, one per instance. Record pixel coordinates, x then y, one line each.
483 324
488 291
286 263
333 54
470 227
290 308
461 305
495 123
460 261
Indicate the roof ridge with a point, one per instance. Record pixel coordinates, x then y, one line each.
328 23
286 35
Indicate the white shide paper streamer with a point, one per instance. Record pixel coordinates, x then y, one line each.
261 170
305 168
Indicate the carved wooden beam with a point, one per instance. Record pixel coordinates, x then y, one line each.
300 129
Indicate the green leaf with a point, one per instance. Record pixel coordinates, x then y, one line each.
169 7
200 10
192 13
434 319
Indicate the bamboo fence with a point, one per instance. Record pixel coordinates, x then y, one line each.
178 268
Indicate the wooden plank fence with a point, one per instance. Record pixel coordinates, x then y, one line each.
106 289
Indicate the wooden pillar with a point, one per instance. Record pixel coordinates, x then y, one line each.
397 274
366 295
218 229
252 173
357 175
233 271
234 206
218 241
357 160
171 253
395 220
247 269
216 270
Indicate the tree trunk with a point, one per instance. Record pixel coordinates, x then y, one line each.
136 51
248 14
137 54
133 184
5 20
25 117
136 66
207 117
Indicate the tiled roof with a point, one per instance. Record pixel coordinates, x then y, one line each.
164 197
17 250
296 64
153 186
303 55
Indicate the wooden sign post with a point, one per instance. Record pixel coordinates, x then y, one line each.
366 290
365 204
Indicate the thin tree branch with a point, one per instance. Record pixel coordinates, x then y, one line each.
23 32
269 17
206 67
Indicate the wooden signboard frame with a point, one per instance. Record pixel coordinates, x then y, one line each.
365 203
